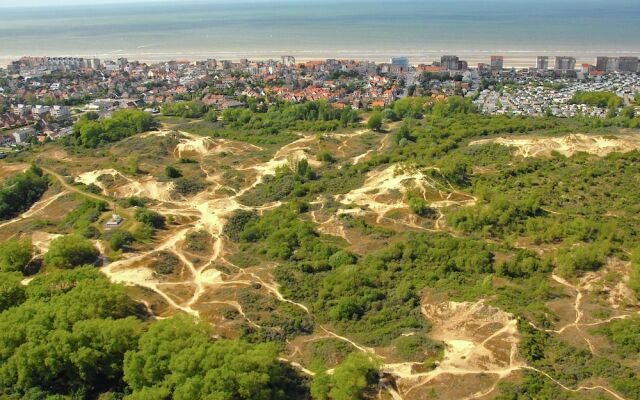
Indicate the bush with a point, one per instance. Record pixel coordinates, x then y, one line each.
184 186
211 116
150 218
237 223
172 172
417 348
198 241
421 208
351 380
327 157
576 260
165 263
634 278
119 239
70 251
375 122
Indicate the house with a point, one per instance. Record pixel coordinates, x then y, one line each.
60 112
22 135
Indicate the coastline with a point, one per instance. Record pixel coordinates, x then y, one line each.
512 58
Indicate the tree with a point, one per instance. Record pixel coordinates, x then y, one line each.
15 255
70 251
120 239
375 122
350 380
12 292
420 207
211 116
320 386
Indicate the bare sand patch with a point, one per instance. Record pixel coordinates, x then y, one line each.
599 145
202 145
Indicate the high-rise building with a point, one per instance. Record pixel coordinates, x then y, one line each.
564 63
601 63
612 64
497 63
403 62
628 64
542 63
288 61
451 63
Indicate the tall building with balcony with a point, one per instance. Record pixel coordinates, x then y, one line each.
542 63
628 64
601 63
564 63
403 62
451 63
497 63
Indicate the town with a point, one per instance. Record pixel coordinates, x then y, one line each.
40 97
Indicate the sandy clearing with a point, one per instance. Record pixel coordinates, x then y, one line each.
385 190
42 240
204 145
92 177
9 169
566 145
384 182
146 187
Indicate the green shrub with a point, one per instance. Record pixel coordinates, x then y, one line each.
172 172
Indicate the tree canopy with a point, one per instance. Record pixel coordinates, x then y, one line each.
177 359
15 254
91 132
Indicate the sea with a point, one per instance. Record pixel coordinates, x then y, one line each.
422 30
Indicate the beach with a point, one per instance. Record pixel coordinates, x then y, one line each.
313 29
